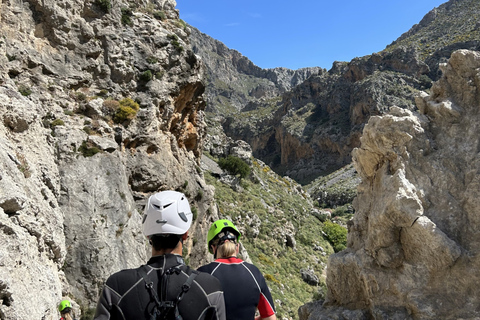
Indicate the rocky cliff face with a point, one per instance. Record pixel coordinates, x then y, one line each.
100 106
412 244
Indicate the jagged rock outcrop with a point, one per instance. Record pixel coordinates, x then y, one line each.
100 106
413 244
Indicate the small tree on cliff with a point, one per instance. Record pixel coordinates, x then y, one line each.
235 166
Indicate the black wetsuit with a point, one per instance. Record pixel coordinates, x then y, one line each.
126 297
244 288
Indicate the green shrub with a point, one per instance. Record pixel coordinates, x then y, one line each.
105 5
146 76
88 130
270 277
195 213
152 60
127 17
126 111
57 122
180 24
160 15
174 41
336 234
88 151
80 96
103 93
24 90
234 166
128 102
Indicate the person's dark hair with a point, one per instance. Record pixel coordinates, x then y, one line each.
165 241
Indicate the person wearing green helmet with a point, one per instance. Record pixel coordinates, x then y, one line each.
245 289
65 308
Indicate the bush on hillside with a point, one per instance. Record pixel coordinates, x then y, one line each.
126 111
105 5
235 166
336 234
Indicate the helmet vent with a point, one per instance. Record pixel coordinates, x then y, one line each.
156 206
183 216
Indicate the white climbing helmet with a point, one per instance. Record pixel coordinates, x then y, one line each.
167 212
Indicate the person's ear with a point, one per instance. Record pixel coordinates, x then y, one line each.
185 236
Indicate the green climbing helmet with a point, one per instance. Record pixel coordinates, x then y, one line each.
64 304
217 227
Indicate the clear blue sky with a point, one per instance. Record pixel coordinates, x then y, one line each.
304 33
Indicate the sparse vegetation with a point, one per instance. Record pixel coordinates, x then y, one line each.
127 14
146 76
103 93
174 41
126 111
152 60
57 122
80 96
87 150
160 15
23 166
268 206
104 5
235 166
24 90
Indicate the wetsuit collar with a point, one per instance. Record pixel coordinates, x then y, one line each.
229 260
166 261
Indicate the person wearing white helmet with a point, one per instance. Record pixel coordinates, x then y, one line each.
164 288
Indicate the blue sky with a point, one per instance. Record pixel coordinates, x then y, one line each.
304 33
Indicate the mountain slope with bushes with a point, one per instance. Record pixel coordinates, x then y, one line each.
310 129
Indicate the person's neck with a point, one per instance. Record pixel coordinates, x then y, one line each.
177 250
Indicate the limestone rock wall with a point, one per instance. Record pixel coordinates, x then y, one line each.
74 178
413 244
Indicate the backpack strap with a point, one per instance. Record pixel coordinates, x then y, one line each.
153 294
185 287
161 305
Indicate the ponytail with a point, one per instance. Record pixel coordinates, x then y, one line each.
226 250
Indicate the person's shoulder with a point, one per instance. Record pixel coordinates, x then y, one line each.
253 268
122 277
208 267
208 282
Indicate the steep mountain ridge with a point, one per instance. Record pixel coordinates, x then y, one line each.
240 84
316 124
